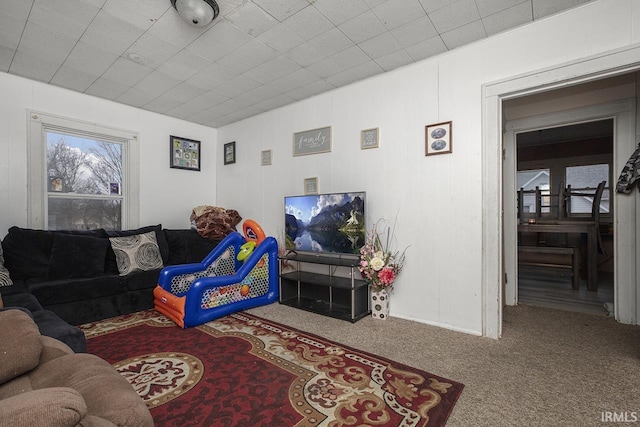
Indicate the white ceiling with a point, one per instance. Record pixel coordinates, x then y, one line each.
256 56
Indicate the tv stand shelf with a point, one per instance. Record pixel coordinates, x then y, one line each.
314 285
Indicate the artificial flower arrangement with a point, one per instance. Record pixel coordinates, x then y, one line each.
380 264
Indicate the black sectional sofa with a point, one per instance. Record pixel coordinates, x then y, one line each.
75 274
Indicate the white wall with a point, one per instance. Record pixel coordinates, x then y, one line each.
167 195
437 199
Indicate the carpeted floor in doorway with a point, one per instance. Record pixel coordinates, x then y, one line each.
242 370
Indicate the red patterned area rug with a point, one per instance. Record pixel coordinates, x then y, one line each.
242 370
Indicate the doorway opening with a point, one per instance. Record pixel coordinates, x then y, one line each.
564 176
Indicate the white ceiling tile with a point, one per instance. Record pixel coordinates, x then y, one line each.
10 31
33 67
105 88
308 23
220 40
340 11
374 3
542 8
248 56
432 5
273 69
305 54
380 45
70 17
309 90
274 102
414 31
465 34
212 76
350 57
393 13
111 34
251 19
365 70
140 13
151 51
6 56
342 79
489 7
126 72
281 38
426 48
135 97
207 100
171 28
162 104
50 45
185 64
141 53
325 68
394 60
183 92
90 59
281 9
18 9
509 18
236 86
332 41
363 27
73 79
157 82
294 80
454 15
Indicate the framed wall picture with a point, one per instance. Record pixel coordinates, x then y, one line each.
184 153
265 157
311 185
438 139
312 141
370 138
229 153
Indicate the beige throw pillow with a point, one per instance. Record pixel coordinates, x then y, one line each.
139 252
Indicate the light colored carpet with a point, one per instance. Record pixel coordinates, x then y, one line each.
550 368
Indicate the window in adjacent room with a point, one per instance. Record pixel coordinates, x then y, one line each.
586 179
529 180
80 175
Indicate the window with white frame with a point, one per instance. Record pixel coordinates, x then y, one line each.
80 175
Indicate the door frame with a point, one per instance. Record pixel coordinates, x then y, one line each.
623 115
602 65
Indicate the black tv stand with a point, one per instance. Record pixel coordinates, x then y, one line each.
324 284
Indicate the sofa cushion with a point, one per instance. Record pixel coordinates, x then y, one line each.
76 256
5 278
137 252
187 246
64 291
21 344
112 266
51 406
27 253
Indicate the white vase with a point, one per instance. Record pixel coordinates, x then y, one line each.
379 304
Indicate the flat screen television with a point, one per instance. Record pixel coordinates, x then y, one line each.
326 223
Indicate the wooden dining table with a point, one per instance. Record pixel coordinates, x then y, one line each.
587 228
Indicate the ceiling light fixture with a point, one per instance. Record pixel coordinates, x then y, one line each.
197 12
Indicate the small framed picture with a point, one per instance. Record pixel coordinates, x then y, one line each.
184 153
311 185
369 138
438 139
229 153
265 157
